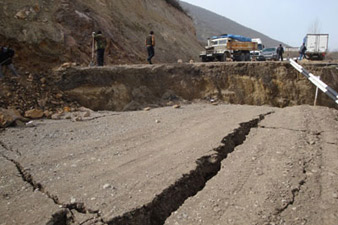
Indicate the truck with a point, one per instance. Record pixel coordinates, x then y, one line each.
260 46
228 46
316 45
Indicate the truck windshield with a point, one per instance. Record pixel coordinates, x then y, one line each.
223 42
214 42
269 50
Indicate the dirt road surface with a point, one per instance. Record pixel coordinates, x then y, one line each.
198 164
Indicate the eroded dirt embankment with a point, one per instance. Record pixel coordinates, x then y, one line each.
134 87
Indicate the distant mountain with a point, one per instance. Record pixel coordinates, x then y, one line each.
208 24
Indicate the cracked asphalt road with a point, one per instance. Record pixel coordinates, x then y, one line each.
203 164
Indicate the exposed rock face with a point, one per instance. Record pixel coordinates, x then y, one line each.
272 83
47 33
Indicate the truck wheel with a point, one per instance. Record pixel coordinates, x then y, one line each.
247 57
222 58
242 57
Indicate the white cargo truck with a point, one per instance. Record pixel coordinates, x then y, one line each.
316 45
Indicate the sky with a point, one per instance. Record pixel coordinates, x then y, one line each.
285 20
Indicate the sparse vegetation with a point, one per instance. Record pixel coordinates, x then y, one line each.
176 5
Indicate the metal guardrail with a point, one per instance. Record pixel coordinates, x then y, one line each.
316 81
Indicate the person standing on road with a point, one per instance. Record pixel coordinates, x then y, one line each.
150 44
280 51
101 42
6 55
302 51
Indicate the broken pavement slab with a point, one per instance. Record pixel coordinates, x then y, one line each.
119 166
20 203
277 174
138 158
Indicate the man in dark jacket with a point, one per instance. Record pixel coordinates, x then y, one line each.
101 42
302 51
6 55
150 44
280 51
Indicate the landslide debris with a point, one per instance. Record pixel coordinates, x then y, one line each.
31 96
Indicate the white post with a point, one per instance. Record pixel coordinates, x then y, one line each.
316 95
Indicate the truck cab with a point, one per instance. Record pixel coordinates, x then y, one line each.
225 46
260 47
217 49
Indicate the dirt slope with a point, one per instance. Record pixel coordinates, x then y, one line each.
201 164
134 87
47 33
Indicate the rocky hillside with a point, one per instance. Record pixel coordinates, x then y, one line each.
209 24
48 33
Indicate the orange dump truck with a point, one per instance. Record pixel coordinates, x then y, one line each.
228 46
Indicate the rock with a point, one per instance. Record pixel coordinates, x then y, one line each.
147 109
30 124
22 14
66 109
180 61
58 95
56 116
157 121
47 113
43 80
77 118
86 114
55 103
19 123
36 8
66 65
84 109
8 116
176 106
106 186
34 113
42 102
170 103
191 61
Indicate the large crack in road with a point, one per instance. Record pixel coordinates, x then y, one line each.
65 215
157 211
163 205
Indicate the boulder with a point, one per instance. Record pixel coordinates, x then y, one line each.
9 116
34 113
22 14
